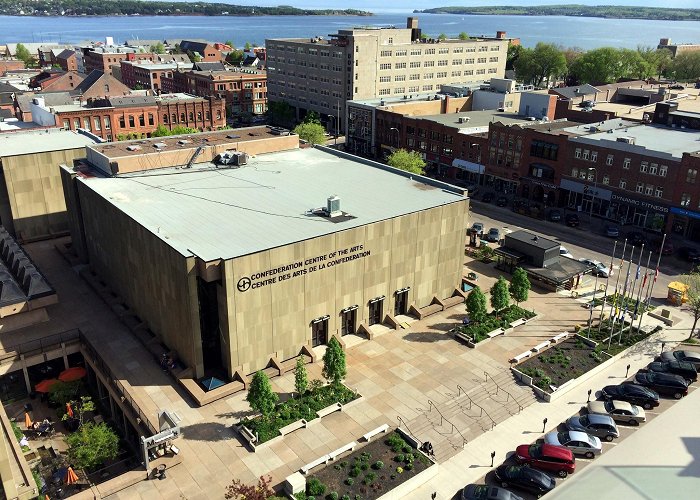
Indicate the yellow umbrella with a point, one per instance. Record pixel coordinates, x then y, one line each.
71 476
27 420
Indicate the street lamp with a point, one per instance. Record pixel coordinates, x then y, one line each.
478 159
595 188
335 129
398 135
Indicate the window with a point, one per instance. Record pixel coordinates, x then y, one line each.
174 118
385 66
640 187
427 87
415 88
108 123
606 180
416 52
400 53
414 64
594 156
400 78
653 168
199 117
132 121
415 76
98 124
577 153
401 65
122 122
574 172
385 53
428 76
469 61
456 73
384 79
663 169
591 176
142 120
456 62
659 192
585 154
622 184
182 118
493 59
691 175
66 124
191 114
428 64
442 74
481 60
644 167
443 50
399 90
391 40
609 160
685 200
648 190
86 124
165 118
442 62
429 52
383 91
626 164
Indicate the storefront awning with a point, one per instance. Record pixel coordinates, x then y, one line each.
579 187
468 166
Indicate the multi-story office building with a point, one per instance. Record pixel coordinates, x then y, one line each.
320 74
148 75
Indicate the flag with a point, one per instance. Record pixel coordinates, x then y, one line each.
636 308
639 272
656 274
644 283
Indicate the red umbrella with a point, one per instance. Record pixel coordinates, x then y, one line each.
72 374
71 476
45 385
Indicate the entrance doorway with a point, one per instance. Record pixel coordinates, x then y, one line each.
209 326
347 321
376 307
319 331
401 304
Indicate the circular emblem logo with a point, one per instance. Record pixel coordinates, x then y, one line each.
243 284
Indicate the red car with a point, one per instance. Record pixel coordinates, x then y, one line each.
547 457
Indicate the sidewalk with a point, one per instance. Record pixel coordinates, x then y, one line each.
474 461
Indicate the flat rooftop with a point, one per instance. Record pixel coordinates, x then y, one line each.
223 213
41 141
477 121
532 240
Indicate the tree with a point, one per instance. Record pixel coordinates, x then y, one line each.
248 46
80 408
514 52
229 43
62 392
540 65
236 56
442 36
476 304
158 48
608 65
280 112
692 281
301 378
463 36
260 395
410 161
22 53
312 117
519 285
686 66
194 57
499 295
92 444
313 133
334 369
239 491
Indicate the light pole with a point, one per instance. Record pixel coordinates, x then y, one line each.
595 188
335 129
478 159
398 135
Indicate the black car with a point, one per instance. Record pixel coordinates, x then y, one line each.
525 478
572 220
676 87
687 356
487 197
486 492
632 393
667 384
689 253
635 239
502 201
682 368
555 215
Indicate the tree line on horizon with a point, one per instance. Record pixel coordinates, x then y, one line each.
604 11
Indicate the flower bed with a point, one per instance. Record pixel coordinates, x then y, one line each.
616 299
296 409
627 339
478 331
368 473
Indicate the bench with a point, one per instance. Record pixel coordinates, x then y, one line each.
343 449
452 301
252 438
496 333
559 337
293 427
522 356
323 460
329 409
378 430
540 346
462 336
517 322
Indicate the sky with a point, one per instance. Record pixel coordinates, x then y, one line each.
408 5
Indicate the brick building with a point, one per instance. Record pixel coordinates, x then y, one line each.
98 84
105 58
57 81
245 90
205 51
10 65
67 60
190 111
148 76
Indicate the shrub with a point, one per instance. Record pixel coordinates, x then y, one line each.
399 458
349 481
332 496
378 465
365 456
407 449
544 383
399 470
354 472
409 466
343 464
369 478
315 487
345 497
393 476
364 466
396 443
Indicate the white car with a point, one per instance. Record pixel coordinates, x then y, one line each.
600 269
620 411
580 443
563 252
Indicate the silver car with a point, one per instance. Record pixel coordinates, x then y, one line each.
620 411
601 426
579 443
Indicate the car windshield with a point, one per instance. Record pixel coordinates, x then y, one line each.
584 421
535 451
563 437
609 406
481 492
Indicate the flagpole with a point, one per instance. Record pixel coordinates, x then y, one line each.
634 285
646 274
656 272
624 296
605 295
617 282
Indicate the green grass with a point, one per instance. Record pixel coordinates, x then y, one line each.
478 330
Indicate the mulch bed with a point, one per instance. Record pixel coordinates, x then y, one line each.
334 475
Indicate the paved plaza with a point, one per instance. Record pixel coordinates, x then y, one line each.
402 373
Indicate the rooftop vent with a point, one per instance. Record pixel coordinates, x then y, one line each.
333 206
133 148
183 141
626 140
159 145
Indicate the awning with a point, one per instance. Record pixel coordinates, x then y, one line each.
468 166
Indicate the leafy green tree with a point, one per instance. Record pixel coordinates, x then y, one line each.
500 298
312 117
158 48
519 285
608 65
313 133
229 43
62 392
442 36
334 369
692 281
80 408
410 161
160 131
260 395
686 66
514 52
301 378
22 53
236 56
92 445
658 60
248 46
540 65
194 57
280 112
476 304
463 36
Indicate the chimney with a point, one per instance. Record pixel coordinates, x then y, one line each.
501 35
412 24
665 41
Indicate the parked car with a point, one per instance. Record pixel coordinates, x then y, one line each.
667 248
667 384
493 235
547 457
487 197
555 215
682 368
612 231
472 190
502 201
572 220
601 426
563 252
677 86
600 269
479 228
689 253
486 492
579 443
620 411
587 104
525 478
688 356
636 238
632 393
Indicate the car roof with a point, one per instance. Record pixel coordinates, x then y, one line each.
554 451
690 354
580 436
596 418
621 405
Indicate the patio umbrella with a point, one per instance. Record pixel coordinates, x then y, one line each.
45 385
71 476
212 383
72 374
27 420
69 410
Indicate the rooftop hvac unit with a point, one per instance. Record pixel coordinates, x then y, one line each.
626 140
183 141
333 206
240 158
133 148
159 145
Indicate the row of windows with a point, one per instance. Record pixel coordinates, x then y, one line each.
430 64
645 167
642 187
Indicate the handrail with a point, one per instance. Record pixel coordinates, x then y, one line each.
454 427
41 344
508 394
398 417
483 410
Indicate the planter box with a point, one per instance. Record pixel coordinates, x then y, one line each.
293 426
404 490
323 412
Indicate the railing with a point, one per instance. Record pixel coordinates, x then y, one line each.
39 346
443 419
118 387
402 421
460 390
509 396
